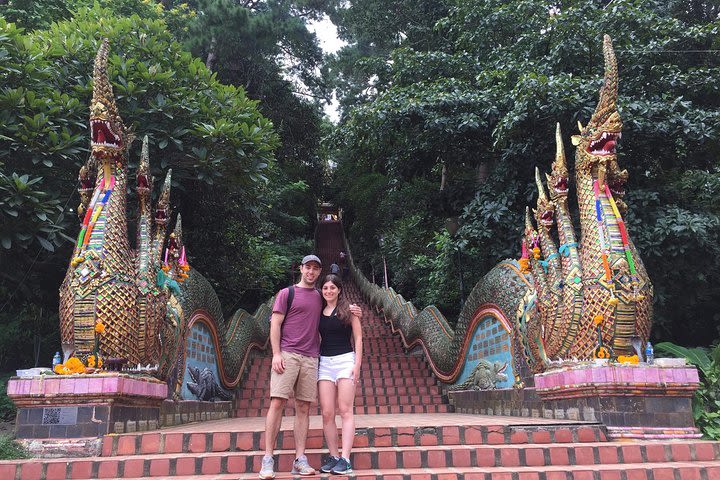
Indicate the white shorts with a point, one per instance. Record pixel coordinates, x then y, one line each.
336 367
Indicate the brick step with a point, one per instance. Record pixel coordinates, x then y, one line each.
363 391
365 374
259 383
380 334
359 410
368 371
385 351
401 361
391 459
648 471
144 443
361 400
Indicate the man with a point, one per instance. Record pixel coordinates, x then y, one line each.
335 269
295 346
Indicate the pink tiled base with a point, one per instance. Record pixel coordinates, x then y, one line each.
603 376
103 385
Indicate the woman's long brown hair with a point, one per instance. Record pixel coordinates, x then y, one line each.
342 311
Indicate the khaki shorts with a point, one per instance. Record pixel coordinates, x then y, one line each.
300 377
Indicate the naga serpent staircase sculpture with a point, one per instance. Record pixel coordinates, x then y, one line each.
576 300
570 300
149 299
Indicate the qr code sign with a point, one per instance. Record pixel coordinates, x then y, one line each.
60 416
51 416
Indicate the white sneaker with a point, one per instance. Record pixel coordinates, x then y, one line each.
302 467
267 470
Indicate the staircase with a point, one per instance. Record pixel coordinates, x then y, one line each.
405 430
390 381
391 446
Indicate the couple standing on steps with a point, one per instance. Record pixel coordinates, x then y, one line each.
306 324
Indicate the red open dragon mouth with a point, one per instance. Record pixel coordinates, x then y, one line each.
143 183
547 218
605 145
561 186
617 188
103 136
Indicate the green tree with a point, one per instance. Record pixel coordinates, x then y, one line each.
208 132
473 112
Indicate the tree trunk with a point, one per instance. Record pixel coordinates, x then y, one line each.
211 57
482 173
443 177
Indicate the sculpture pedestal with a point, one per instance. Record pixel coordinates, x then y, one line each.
81 406
633 401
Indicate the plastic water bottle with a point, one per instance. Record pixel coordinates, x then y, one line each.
649 354
57 359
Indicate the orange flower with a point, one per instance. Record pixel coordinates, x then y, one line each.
75 365
524 265
91 361
99 327
598 319
628 359
601 352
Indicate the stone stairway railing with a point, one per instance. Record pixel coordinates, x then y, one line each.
445 348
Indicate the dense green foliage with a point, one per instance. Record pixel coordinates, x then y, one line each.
10 449
233 170
451 120
7 407
706 403
448 106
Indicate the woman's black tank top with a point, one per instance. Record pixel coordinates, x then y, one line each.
335 336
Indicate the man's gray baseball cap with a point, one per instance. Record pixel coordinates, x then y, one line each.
311 258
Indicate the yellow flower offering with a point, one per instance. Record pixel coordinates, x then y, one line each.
524 265
99 327
628 359
73 365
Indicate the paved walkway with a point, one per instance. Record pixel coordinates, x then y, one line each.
257 424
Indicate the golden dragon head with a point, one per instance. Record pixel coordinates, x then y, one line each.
598 139
144 178
108 135
545 209
532 239
558 178
162 209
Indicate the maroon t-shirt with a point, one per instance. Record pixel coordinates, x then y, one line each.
300 328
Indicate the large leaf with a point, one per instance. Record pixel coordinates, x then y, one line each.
696 356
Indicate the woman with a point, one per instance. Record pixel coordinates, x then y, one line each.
338 372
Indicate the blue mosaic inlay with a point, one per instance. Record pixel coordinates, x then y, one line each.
199 353
492 342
